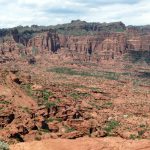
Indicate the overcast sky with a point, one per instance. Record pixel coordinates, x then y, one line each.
51 12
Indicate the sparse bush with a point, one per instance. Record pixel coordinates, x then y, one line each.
128 66
28 89
59 119
38 138
34 50
70 71
96 90
54 119
69 129
140 133
20 46
45 130
110 126
31 60
77 96
63 70
4 146
138 136
46 94
50 104
26 109
111 75
5 102
50 120
108 104
133 136
139 56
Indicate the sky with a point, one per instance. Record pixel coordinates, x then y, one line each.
52 12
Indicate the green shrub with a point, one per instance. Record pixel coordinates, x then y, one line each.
110 126
59 119
50 104
107 104
4 146
77 96
34 50
69 129
133 136
26 109
54 119
20 46
50 120
28 89
139 136
46 94
138 56
70 71
64 70
140 133
5 102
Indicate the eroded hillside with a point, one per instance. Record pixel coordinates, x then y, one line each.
60 85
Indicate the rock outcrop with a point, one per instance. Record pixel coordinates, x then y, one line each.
95 42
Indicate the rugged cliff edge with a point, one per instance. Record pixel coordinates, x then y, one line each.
73 81
78 40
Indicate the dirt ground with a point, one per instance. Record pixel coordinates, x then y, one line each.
85 144
50 103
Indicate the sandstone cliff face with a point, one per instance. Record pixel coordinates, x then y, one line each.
44 41
7 44
48 41
138 41
102 46
94 47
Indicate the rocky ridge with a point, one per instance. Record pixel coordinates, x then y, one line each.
94 42
74 80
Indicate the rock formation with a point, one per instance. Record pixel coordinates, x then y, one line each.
95 42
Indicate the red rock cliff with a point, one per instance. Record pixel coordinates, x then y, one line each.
101 46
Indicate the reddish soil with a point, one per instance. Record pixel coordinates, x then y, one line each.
94 90
85 144
49 101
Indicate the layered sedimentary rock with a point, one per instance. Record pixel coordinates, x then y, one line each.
101 41
101 46
7 44
45 41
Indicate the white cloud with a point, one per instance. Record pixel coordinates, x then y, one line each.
47 12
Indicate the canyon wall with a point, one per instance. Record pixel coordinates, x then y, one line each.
95 46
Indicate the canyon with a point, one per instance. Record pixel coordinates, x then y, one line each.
80 83
94 42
